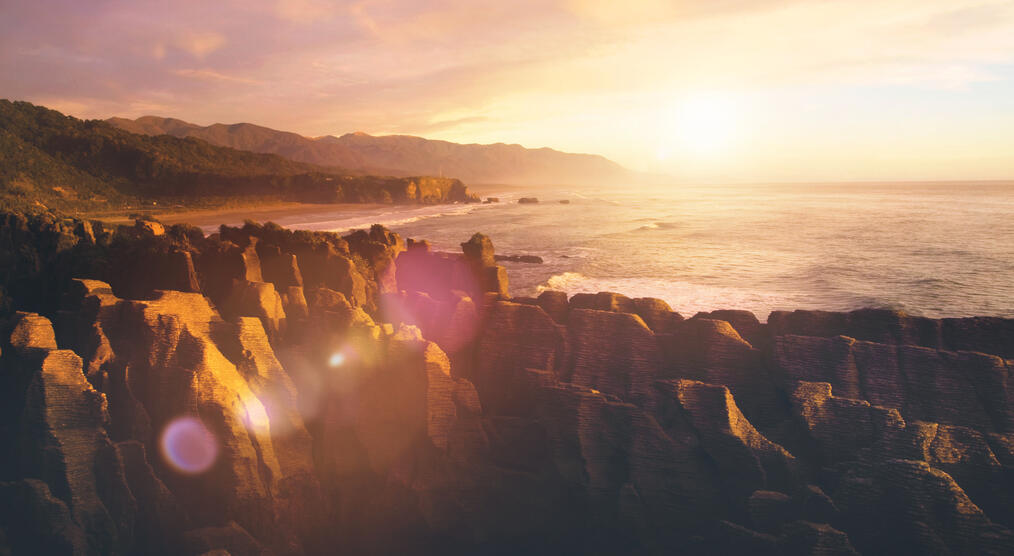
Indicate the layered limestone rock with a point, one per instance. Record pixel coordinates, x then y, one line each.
746 457
956 388
379 248
712 351
615 353
555 304
745 323
602 301
841 427
406 406
36 522
903 506
846 430
654 312
257 299
641 485
515 337
174 356
412 397
479 256
32 331
983 334
160 519
59 439
281 269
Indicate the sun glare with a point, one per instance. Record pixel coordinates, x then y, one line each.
698 125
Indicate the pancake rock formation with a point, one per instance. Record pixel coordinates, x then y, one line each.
267 391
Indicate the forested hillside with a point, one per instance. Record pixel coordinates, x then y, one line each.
63 162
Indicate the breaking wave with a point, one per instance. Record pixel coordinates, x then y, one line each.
684 297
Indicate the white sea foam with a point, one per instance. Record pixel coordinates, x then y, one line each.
684 297
390 218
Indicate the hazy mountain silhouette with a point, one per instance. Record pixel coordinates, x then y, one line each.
53 160
399 155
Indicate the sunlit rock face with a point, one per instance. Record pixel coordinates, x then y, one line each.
269 391
54 427
216 402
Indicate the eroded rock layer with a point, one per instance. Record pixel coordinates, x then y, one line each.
264 391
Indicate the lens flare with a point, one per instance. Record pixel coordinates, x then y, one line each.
337 359
189 446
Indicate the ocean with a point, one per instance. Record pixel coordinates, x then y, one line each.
931 249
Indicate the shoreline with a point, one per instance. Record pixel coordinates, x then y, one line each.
262 213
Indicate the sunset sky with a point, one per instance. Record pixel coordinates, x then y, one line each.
760 90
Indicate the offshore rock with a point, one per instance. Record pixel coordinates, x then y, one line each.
531 259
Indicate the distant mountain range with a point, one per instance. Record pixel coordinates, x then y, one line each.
58 161
399 155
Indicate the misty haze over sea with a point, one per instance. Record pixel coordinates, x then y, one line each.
932 249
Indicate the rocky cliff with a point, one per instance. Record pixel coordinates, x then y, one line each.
267 391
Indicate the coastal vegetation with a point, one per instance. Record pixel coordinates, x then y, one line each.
48 159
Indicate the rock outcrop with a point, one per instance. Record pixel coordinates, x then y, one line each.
983 334
380 397
955 388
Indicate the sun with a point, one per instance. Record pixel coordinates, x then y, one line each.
698 125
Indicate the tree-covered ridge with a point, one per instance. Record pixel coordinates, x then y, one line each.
60 160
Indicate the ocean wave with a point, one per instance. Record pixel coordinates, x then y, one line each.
388 219
659 225
684 297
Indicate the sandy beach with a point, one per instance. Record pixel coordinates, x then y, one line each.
210 217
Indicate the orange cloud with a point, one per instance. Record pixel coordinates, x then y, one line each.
200 44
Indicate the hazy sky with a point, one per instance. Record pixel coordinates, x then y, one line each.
718 90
